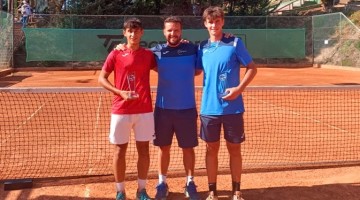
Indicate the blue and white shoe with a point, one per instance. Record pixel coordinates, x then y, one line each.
162 191
191 192
120 196
142 195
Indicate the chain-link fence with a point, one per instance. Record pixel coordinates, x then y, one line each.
336 40
72 40
6 40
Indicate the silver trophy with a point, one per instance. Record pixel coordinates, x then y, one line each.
222 85
131 79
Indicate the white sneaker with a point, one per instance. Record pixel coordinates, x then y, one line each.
237 196
212 196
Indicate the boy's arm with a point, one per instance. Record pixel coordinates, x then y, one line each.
104 81
250 73
197 72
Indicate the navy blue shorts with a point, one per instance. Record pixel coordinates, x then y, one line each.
181 122
233 126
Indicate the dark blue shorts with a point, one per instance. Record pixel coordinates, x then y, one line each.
233 126
181 122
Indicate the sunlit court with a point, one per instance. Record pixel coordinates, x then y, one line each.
302 110
61 131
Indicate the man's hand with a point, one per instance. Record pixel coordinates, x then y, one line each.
184 41
228 35
120 47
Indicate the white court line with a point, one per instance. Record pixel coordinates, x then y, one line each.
25 122
96 127
301 116
87 192
98 112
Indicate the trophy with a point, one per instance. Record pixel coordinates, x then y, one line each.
131 79
222 85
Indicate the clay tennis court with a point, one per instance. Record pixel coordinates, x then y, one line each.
306 76
325 183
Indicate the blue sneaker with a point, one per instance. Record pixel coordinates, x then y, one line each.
120 196
191 192
142 195
162 191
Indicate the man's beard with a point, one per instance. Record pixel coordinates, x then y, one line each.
174 42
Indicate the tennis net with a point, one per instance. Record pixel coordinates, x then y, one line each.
63 132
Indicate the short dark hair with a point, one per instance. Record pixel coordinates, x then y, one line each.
132 23
173 19
212 13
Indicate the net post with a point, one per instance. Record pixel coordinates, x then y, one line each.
18 184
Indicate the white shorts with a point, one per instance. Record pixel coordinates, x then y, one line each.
122 124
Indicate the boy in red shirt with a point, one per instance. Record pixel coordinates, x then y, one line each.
131 106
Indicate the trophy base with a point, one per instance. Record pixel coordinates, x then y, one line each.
133 95
223 94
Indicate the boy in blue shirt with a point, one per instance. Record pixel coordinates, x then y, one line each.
222 103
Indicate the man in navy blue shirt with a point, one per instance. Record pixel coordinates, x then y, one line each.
175 107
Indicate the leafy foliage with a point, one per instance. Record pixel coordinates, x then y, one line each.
248 7
113 7
355 18
147 7
154 7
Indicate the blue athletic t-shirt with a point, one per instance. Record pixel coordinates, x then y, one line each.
218 60
176 71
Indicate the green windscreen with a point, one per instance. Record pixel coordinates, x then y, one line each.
54 44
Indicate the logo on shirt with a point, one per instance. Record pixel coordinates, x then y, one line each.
243 136
209 49
125 54
181 52
165 52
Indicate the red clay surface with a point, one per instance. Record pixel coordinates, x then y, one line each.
320 184
265 77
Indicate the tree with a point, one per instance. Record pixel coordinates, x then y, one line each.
55 6
327 5
145 7
154 7
248 7
112 7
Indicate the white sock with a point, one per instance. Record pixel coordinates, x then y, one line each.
141 184
120 187
162 178
189 179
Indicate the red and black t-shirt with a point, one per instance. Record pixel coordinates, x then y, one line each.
138 62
